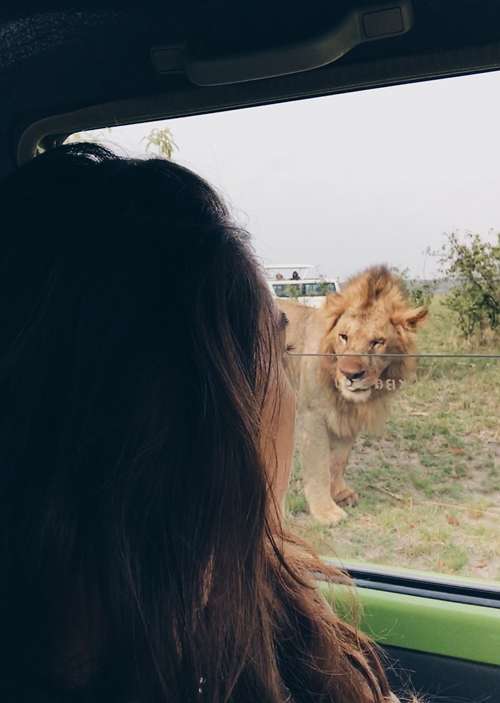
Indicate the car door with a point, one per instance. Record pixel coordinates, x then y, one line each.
440 636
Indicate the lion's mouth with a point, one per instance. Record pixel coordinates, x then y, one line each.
356 394
357 389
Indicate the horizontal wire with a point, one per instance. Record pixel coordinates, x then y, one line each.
423 355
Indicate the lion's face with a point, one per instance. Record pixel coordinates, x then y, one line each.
358 333
370 317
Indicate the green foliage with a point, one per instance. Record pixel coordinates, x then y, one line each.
422 293
474 265
96 136
417 292
161 139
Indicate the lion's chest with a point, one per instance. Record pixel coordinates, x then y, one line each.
346 420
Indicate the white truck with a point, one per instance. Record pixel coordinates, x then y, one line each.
300 282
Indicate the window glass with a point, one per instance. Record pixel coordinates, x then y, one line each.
280 290
318 288
406 470
291 289
288 290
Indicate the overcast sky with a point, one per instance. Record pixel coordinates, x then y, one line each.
351 180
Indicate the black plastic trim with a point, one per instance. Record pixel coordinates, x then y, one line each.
438 588
456 597
438 678
184 99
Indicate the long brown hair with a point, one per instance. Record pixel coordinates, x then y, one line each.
141 558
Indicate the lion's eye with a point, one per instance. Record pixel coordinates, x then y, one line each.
377 343
343 337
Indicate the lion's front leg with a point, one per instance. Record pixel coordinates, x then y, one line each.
340 450
315 454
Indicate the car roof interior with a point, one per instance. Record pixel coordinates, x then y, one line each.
65 68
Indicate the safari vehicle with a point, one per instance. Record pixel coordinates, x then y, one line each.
301 283
100 64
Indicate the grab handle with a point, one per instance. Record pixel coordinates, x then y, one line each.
359 26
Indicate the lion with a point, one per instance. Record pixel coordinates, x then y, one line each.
340 396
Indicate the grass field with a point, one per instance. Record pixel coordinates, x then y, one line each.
430 485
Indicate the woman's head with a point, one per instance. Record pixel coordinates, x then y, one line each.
137 336
144 416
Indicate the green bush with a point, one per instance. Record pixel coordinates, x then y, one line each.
417 292
474 266
422 293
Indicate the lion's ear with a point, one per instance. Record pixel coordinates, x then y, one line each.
335 306
411 319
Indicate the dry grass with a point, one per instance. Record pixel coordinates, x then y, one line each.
430 486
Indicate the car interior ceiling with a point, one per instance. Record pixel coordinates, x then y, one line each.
92 65
82 65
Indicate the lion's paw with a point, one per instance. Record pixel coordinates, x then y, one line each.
347 497
329 516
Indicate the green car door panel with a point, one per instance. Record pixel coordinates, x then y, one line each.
458 630
444 650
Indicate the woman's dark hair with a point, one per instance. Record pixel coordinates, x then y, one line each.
139 558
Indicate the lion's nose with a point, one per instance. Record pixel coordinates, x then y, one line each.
354 375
